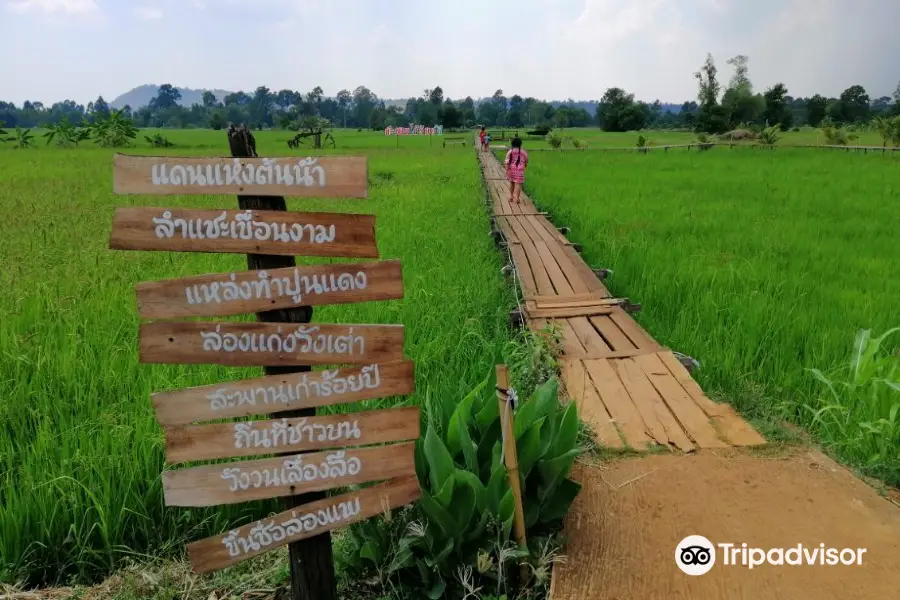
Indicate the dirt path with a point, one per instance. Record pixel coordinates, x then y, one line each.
624 527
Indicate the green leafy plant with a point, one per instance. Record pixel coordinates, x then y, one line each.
23 138
838 136
464 518
555 140
159 141
3 133
859 415
113 131
704 141
642 141
769 136
65 134
888 129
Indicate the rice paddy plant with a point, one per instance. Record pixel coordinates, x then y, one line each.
858 407
80 450
759 264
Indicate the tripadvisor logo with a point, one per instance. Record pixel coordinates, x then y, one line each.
696 555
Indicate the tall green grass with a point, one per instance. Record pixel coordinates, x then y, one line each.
760 264
80 451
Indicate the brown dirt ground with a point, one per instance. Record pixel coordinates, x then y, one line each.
632 513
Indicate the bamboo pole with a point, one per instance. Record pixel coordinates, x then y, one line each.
509 453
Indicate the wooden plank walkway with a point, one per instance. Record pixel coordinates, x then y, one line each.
632 391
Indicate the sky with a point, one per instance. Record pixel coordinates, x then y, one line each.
549 49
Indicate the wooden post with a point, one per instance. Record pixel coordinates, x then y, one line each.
311 560
509 452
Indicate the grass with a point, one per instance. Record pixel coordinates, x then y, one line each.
81 453
762 265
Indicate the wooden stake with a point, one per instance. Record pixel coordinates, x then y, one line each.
311 560
509 453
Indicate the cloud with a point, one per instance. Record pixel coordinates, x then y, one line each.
69 7
148 13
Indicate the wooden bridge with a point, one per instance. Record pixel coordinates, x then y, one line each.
632 391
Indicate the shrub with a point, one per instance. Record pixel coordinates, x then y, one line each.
66 134
838 136
555 140
458 535
158 141
23 138
113 131
769 135
858 416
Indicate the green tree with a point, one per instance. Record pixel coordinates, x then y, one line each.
451 117
777 109
343 99
364 102
209 99
711 117
815 110
166 97
854 104
101 108
617 111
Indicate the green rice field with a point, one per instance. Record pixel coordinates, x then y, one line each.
80 451
760 264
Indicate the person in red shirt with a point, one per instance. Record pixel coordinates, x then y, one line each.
481 138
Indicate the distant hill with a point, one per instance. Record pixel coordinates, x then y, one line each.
141 96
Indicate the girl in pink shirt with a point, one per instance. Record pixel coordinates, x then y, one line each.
515 163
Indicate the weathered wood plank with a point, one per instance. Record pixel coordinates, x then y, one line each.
268 344
320 177
657 418
284 392
566 313
557 301
300 523
226 294
234 482
618 403
280 233
732 427
614 336
580 390
692 418
254 438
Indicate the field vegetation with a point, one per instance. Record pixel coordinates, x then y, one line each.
762 265
81 453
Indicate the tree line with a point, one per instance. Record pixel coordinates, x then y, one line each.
715 110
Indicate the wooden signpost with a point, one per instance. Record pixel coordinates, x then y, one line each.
294 453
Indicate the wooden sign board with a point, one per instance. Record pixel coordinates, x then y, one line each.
320 176
252 438
278 393
234 482
268 344
282 233
302 522
229 294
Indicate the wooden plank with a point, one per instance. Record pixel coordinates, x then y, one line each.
244 481
299 523
618 403
614 336
320 176
284 392
572 274
692 418
268 344
656 415
579 388
571 343
593 343
622 353
565 313
541 278
523 270
524 214
560 283
587 275
280 233
557 301
639 337
731 426
226 294
249 438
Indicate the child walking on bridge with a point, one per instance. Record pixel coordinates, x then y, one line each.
515 163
